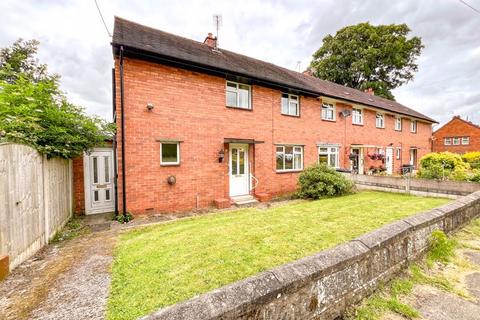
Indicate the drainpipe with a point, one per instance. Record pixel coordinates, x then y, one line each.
115 167
122 110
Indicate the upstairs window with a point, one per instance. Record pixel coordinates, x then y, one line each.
238 95
328 155
447 141
413 126
398 123
328 111
465 140
357 116
289 158
290 105
380 120
456 141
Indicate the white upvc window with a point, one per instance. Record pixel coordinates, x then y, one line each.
289 158
290 104
413 126
465 140
447 141
398 123
456 141
380 120
328 155
238 95
169 153
328 111
357 116
398 153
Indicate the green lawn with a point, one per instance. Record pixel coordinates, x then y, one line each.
160 265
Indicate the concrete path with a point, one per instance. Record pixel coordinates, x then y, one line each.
63 281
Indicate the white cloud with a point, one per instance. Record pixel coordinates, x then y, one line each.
74 42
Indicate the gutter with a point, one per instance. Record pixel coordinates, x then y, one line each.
115 158
122 110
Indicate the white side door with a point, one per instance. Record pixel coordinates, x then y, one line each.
99 186
389 160
238 170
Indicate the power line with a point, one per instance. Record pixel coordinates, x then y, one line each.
101 16
473 8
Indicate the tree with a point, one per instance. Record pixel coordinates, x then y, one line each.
34 111
365 56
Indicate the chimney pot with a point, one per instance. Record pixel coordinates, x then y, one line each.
210 40
308 72
370 91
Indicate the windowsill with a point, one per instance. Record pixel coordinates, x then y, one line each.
169 164
290 115
380 127
358 124
329 120
289 171
239 108
398 130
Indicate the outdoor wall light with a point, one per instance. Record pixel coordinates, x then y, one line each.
150 106
221 155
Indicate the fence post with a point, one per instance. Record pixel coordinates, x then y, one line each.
45 198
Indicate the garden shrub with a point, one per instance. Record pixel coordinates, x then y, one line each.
473 159
443 165
321 180
475 176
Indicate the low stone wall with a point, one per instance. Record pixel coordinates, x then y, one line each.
424 187
324 285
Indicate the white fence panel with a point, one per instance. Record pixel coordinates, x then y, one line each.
35 200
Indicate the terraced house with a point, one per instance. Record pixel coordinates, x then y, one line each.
200 125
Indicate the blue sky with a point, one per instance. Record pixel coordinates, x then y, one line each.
75 44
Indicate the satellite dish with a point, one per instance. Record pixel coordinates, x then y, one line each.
346 113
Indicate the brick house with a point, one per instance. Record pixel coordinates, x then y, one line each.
458 136
199 125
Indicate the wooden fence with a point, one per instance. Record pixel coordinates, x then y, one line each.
35 200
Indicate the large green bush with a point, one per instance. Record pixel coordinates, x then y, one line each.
443 166
473 159
321 180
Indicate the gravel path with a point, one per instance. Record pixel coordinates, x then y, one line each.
63 281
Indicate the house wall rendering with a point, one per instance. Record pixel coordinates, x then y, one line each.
458 136
189 107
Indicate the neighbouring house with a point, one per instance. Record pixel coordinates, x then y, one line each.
199 125
458 136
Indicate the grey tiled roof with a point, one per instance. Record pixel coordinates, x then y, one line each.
167 45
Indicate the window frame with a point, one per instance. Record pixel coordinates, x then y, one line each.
237 86
166 164
398 123
289 96
327 106
413 126
354 109
456 139
328 153
379 115
398 153
283 146
449 139
467 139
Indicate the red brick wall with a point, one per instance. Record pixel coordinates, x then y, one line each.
78 186
457 128
190 106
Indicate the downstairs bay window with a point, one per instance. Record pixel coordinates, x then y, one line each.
289 158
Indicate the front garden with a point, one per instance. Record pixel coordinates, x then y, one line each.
160 265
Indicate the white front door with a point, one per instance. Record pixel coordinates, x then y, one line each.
389 160
98 175
238 170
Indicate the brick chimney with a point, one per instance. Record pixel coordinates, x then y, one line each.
210 40
370 91
308 72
